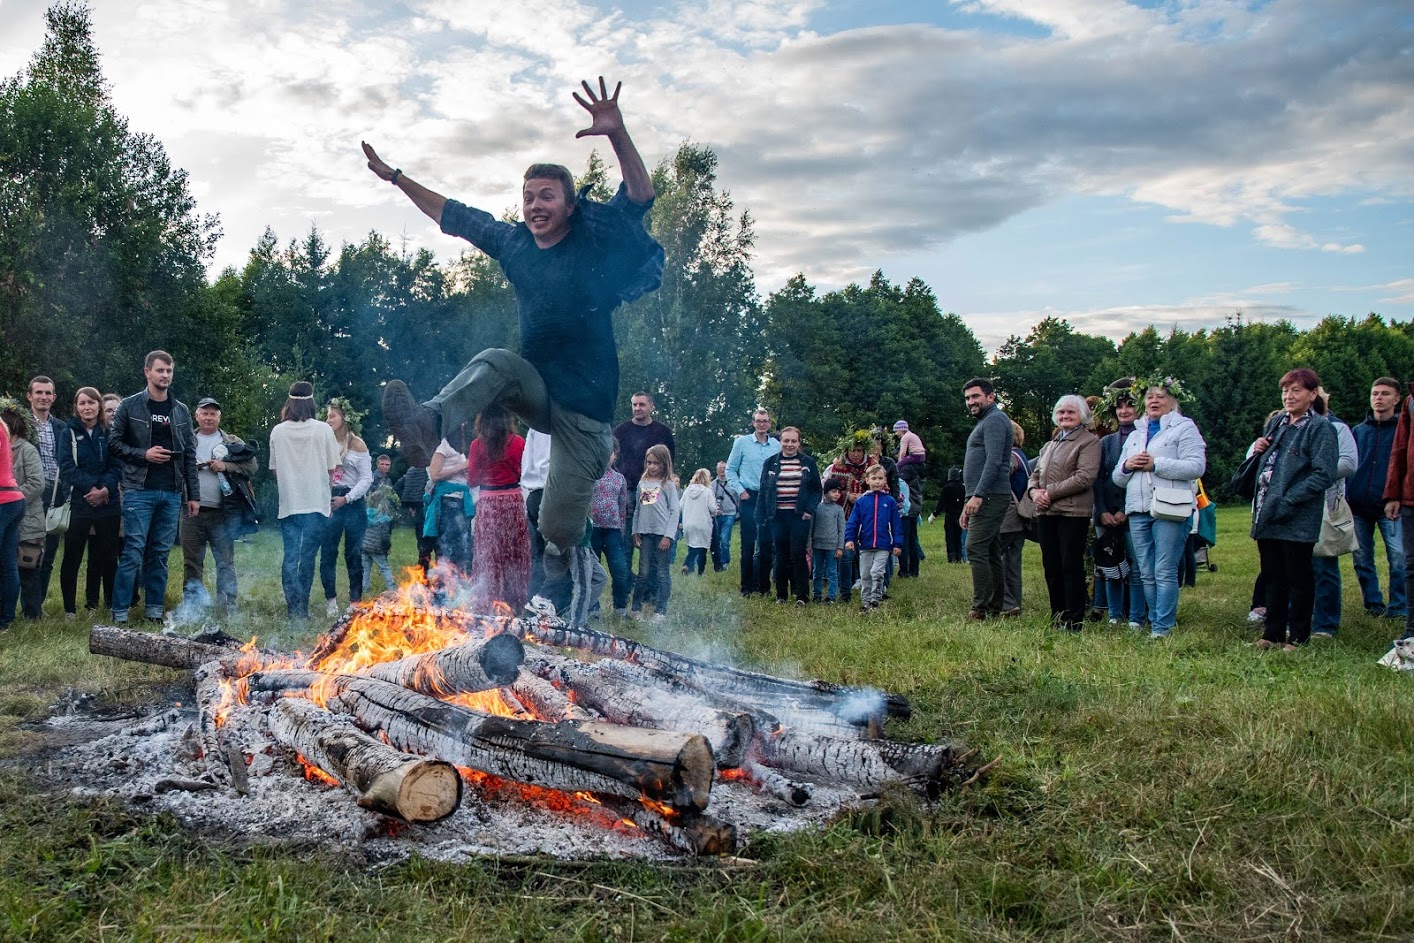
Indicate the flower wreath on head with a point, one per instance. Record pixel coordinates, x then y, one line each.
10 404
1124 390
352 417
858 439
1173 386
886 437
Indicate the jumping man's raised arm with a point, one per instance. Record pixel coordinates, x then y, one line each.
609 121
424 199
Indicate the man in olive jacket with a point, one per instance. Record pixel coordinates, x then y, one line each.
152 439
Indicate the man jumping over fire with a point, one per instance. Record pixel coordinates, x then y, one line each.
571 262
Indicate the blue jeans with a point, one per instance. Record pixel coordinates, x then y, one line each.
826 569
1406 530
11 513
722 527
379 561
1325 615
1138 601
696 560
654 574
348 523
1365 565
1158 549
150 520
608 542
301 535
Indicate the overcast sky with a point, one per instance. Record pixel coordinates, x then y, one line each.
1117 164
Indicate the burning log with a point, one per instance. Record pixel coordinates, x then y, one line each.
172 651
855 705
867 763
386 781
695 833
478 666
545 700
571 756
728 732
773 783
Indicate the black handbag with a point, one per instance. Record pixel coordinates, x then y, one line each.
1244 480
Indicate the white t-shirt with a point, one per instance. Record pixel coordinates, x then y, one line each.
302 454
205 477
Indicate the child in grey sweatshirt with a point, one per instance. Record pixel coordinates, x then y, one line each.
827 542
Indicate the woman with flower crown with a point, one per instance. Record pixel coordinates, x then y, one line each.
1158 465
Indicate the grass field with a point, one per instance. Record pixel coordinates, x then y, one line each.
1190 789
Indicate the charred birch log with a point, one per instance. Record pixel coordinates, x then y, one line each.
386 781
572 756
767 714
866 763
635 705
211 696
694 832
172 651
478 666
855 705
516 705
772 783
545 700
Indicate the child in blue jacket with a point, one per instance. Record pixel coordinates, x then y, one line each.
875 529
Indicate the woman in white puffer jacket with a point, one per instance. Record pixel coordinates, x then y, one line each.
1160 462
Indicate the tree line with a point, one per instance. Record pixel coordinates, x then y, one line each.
103 254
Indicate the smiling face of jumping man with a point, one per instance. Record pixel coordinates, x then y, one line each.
547 210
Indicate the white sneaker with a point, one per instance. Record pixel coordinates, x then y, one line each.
1259 614
331 607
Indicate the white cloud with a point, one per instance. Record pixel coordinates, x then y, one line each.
848 148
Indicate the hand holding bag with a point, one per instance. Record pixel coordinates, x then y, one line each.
1337 530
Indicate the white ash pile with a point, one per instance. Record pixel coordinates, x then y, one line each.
452 734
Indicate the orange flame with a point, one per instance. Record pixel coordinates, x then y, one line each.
488 702
579 804
314 774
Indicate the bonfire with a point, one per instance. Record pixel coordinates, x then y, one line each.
414 710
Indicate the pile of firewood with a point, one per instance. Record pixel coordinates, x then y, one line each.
642 732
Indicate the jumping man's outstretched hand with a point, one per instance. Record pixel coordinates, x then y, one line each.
375 163
603 109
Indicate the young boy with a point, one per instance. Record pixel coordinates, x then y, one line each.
827 540
875 528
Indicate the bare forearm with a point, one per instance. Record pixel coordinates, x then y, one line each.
424 199
637 181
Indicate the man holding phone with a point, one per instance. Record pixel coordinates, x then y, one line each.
152 440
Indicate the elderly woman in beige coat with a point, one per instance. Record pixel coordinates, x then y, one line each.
1060 487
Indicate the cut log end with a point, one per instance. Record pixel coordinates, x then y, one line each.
420 791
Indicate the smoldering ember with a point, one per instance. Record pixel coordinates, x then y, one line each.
413 728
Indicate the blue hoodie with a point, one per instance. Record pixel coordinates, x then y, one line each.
875 523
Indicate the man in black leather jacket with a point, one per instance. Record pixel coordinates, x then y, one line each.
153 442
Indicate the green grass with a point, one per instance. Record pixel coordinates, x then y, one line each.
1192 789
